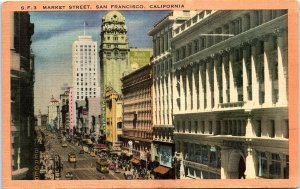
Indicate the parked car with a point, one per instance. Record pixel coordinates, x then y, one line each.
112 166
81 151
117 170
128 175
64 145
69 176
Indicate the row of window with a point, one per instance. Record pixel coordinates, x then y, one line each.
200 174
234 27
203 154
272 165
83 97
235 128
115 38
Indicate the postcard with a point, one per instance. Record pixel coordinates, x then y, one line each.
150 94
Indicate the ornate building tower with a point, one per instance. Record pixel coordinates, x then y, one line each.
113 55
113 50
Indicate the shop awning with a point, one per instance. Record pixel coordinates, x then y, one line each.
161 170
135 161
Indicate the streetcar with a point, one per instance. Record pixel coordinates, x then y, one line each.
102 165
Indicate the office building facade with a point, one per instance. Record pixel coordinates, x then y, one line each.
230 95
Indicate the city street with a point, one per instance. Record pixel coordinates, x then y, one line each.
85 164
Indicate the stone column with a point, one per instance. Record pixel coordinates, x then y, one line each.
254 74
208 85
174 92
160 121
181 165
250 164
216 81
268 75
224 76
224 163
194 90
182 93
202 76
158 101
249 127
232 86
169 97
245 72
282 48
188 88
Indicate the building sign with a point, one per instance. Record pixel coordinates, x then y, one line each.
140 57
165 156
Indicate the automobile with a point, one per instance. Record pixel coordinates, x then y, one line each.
93 154
117 170
69 176
72 158
81 151
59 137
112 166
128 175
64 145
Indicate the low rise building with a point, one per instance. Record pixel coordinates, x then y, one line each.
113 118
137 113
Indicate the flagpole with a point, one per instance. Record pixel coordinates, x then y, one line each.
84 28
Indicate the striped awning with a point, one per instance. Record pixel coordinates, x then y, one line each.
161 170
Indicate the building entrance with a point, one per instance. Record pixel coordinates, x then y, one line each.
236 167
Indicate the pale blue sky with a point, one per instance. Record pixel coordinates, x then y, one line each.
54 33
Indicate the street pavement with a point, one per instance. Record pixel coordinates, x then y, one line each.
85 164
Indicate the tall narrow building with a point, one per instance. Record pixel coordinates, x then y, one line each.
86 81
85 71
113 50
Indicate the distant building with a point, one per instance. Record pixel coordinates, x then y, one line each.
22 86
39 119
82 121
53 113
94 113
64 110
137 114
44 120
72 111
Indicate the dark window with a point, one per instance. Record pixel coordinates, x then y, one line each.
258 128
272 129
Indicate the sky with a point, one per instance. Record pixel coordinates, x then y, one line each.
54 33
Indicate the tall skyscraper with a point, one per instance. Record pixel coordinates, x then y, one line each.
113 50
85 70
114 61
